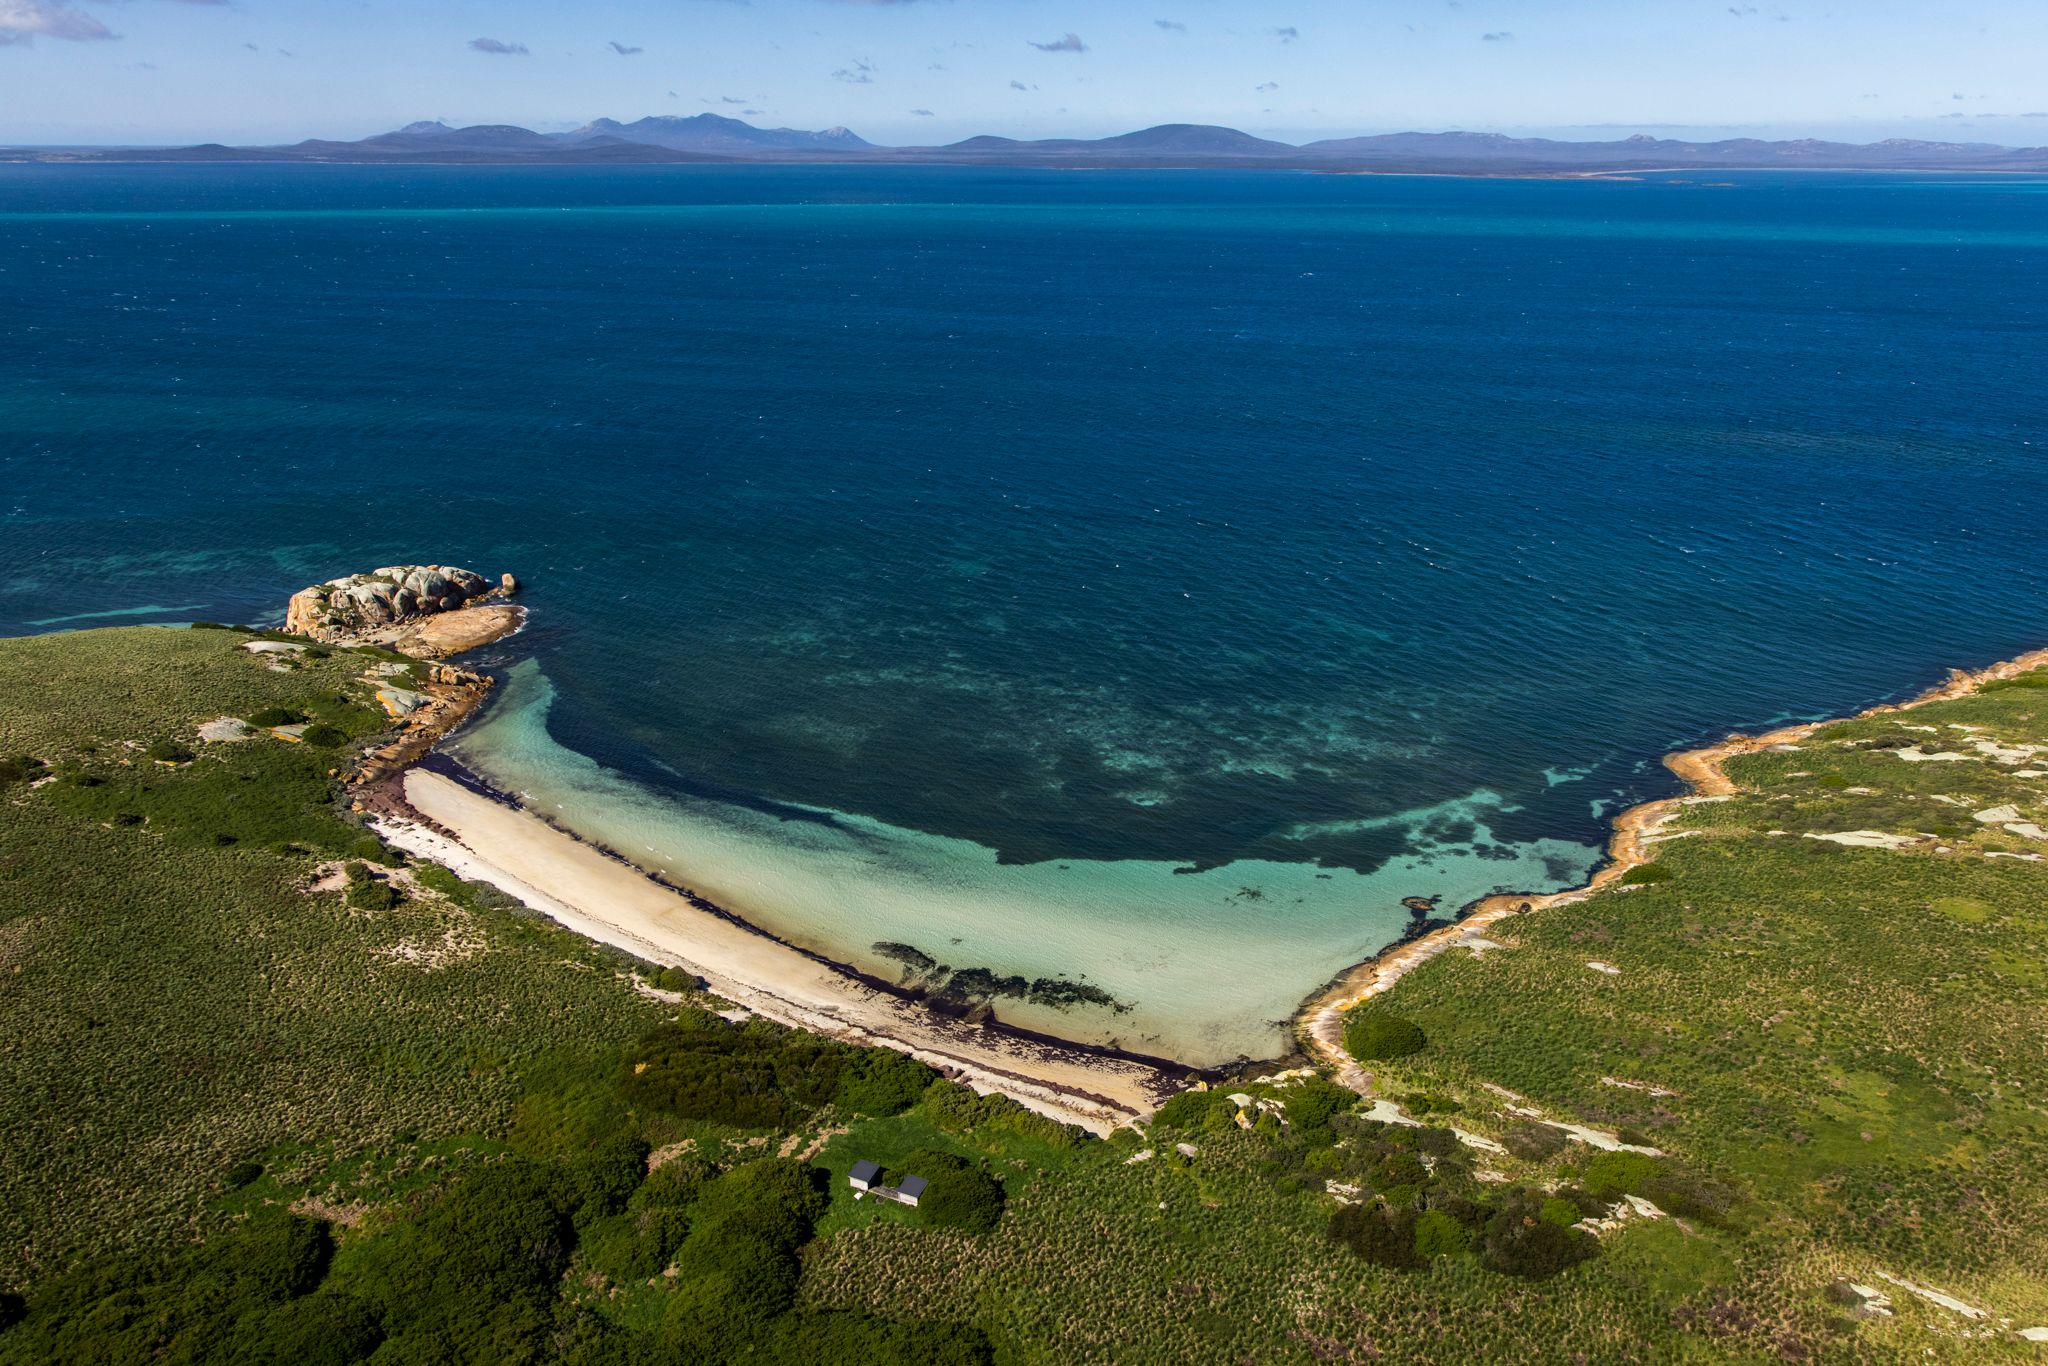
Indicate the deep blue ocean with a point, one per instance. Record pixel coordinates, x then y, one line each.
1346 537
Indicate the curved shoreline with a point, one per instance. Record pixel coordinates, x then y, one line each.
1319 1026
455 771
597 894
1092 1085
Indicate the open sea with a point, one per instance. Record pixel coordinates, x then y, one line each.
1139 578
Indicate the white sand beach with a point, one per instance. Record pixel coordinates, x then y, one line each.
589 891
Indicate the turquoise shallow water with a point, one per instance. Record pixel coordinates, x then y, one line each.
1145 577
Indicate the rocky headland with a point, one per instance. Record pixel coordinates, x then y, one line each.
428 611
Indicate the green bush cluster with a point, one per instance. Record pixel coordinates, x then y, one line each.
1519 1240
477 1278
368 892
1380 1233
1612 1175
676 979
758 1075
20 768
223 1300
959 1193
1375 1035
956 1109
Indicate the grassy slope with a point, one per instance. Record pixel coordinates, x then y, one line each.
1855 1037
174 1005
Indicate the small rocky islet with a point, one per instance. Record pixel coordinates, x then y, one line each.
429 611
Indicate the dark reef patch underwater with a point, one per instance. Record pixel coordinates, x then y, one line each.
945 558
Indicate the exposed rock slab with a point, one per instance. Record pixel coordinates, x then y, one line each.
429 611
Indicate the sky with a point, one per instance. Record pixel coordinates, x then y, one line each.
929 71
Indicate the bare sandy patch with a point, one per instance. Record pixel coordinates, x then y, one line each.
1867 839
227 730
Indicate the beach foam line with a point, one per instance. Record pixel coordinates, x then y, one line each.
601 897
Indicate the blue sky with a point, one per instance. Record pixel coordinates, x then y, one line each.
935 70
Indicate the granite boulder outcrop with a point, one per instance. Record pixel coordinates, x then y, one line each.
404 607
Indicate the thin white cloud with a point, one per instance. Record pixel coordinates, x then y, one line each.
1070 42
24 21
493 48
1170 25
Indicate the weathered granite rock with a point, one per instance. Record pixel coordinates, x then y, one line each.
378 606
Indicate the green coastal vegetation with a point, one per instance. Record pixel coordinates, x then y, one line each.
273 1092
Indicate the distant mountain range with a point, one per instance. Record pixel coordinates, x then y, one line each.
711 138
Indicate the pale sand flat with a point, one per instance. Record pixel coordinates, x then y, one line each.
594 894
1867 839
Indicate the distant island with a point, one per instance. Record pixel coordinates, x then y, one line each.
711 138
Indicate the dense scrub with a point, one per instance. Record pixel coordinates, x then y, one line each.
756 1075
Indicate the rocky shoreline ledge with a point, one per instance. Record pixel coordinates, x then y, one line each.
428 611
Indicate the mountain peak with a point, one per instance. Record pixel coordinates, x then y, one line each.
708 132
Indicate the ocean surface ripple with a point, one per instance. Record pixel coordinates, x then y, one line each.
1141 578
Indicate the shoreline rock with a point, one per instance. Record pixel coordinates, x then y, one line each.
429 611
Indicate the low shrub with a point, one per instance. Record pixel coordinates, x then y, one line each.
324 736
274 716
1375 1035
368 892
1645 873
958 1110
1380 1235
1519 1241
1313 1103
1438 1234
958 1193
833 1339
1692 1197
1534 1142
1611 1175
882 1082
20 769
169 752
1186 1110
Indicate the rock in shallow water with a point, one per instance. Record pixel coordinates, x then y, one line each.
370 607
